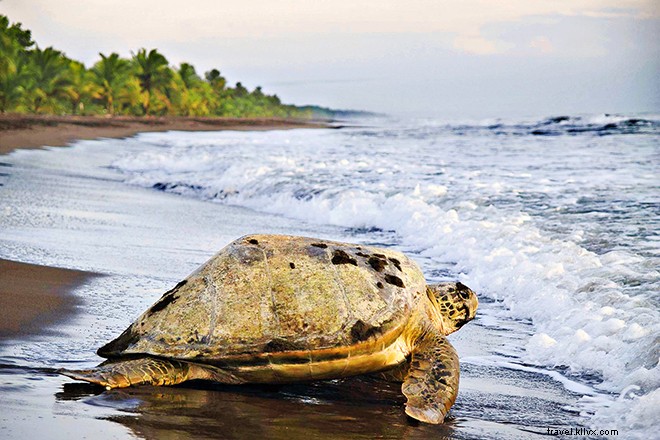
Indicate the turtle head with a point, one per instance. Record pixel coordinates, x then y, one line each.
455 303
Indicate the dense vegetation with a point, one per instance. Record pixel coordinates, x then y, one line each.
35 80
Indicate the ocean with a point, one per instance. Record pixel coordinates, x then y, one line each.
552 221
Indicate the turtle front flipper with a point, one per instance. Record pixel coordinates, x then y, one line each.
431 384
148 371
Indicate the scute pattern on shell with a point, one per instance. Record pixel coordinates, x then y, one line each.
265 293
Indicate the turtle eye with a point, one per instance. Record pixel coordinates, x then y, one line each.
464 294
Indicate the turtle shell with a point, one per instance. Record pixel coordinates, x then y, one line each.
274 293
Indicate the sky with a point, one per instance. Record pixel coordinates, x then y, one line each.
437 58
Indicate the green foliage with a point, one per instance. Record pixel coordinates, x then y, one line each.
14 42
110 75
34 80
49 76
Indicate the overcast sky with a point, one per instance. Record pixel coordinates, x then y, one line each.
451 58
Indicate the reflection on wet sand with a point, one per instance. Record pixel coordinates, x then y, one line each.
356 408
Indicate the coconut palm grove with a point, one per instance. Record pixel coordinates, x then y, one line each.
45 81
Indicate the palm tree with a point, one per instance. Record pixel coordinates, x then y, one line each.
13 43
129 97
13 70
81 86
215 87
217 81
194 96
12 86
188 75
110 74
153 73
48 77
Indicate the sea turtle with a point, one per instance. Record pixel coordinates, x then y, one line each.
278 309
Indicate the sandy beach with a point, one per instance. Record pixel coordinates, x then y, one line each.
36 131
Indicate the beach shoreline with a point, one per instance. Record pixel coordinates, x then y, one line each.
34 297
19 131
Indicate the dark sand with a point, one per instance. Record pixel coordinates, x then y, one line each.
33 297
36 131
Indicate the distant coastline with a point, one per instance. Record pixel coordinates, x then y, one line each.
37 81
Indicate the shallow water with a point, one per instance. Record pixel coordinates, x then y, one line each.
554 223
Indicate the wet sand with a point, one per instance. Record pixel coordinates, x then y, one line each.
36 131
33 298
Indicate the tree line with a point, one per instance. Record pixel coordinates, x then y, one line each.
35 80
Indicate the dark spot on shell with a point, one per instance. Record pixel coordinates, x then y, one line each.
341 257
168 298
361 254
253 241
320 245
396 263
380 285
277 345
380 256
443 381
377 263
292 265
394 280
362 331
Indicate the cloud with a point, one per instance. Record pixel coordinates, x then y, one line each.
149 22
542 44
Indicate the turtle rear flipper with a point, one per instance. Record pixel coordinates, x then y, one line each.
148 371
431 384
